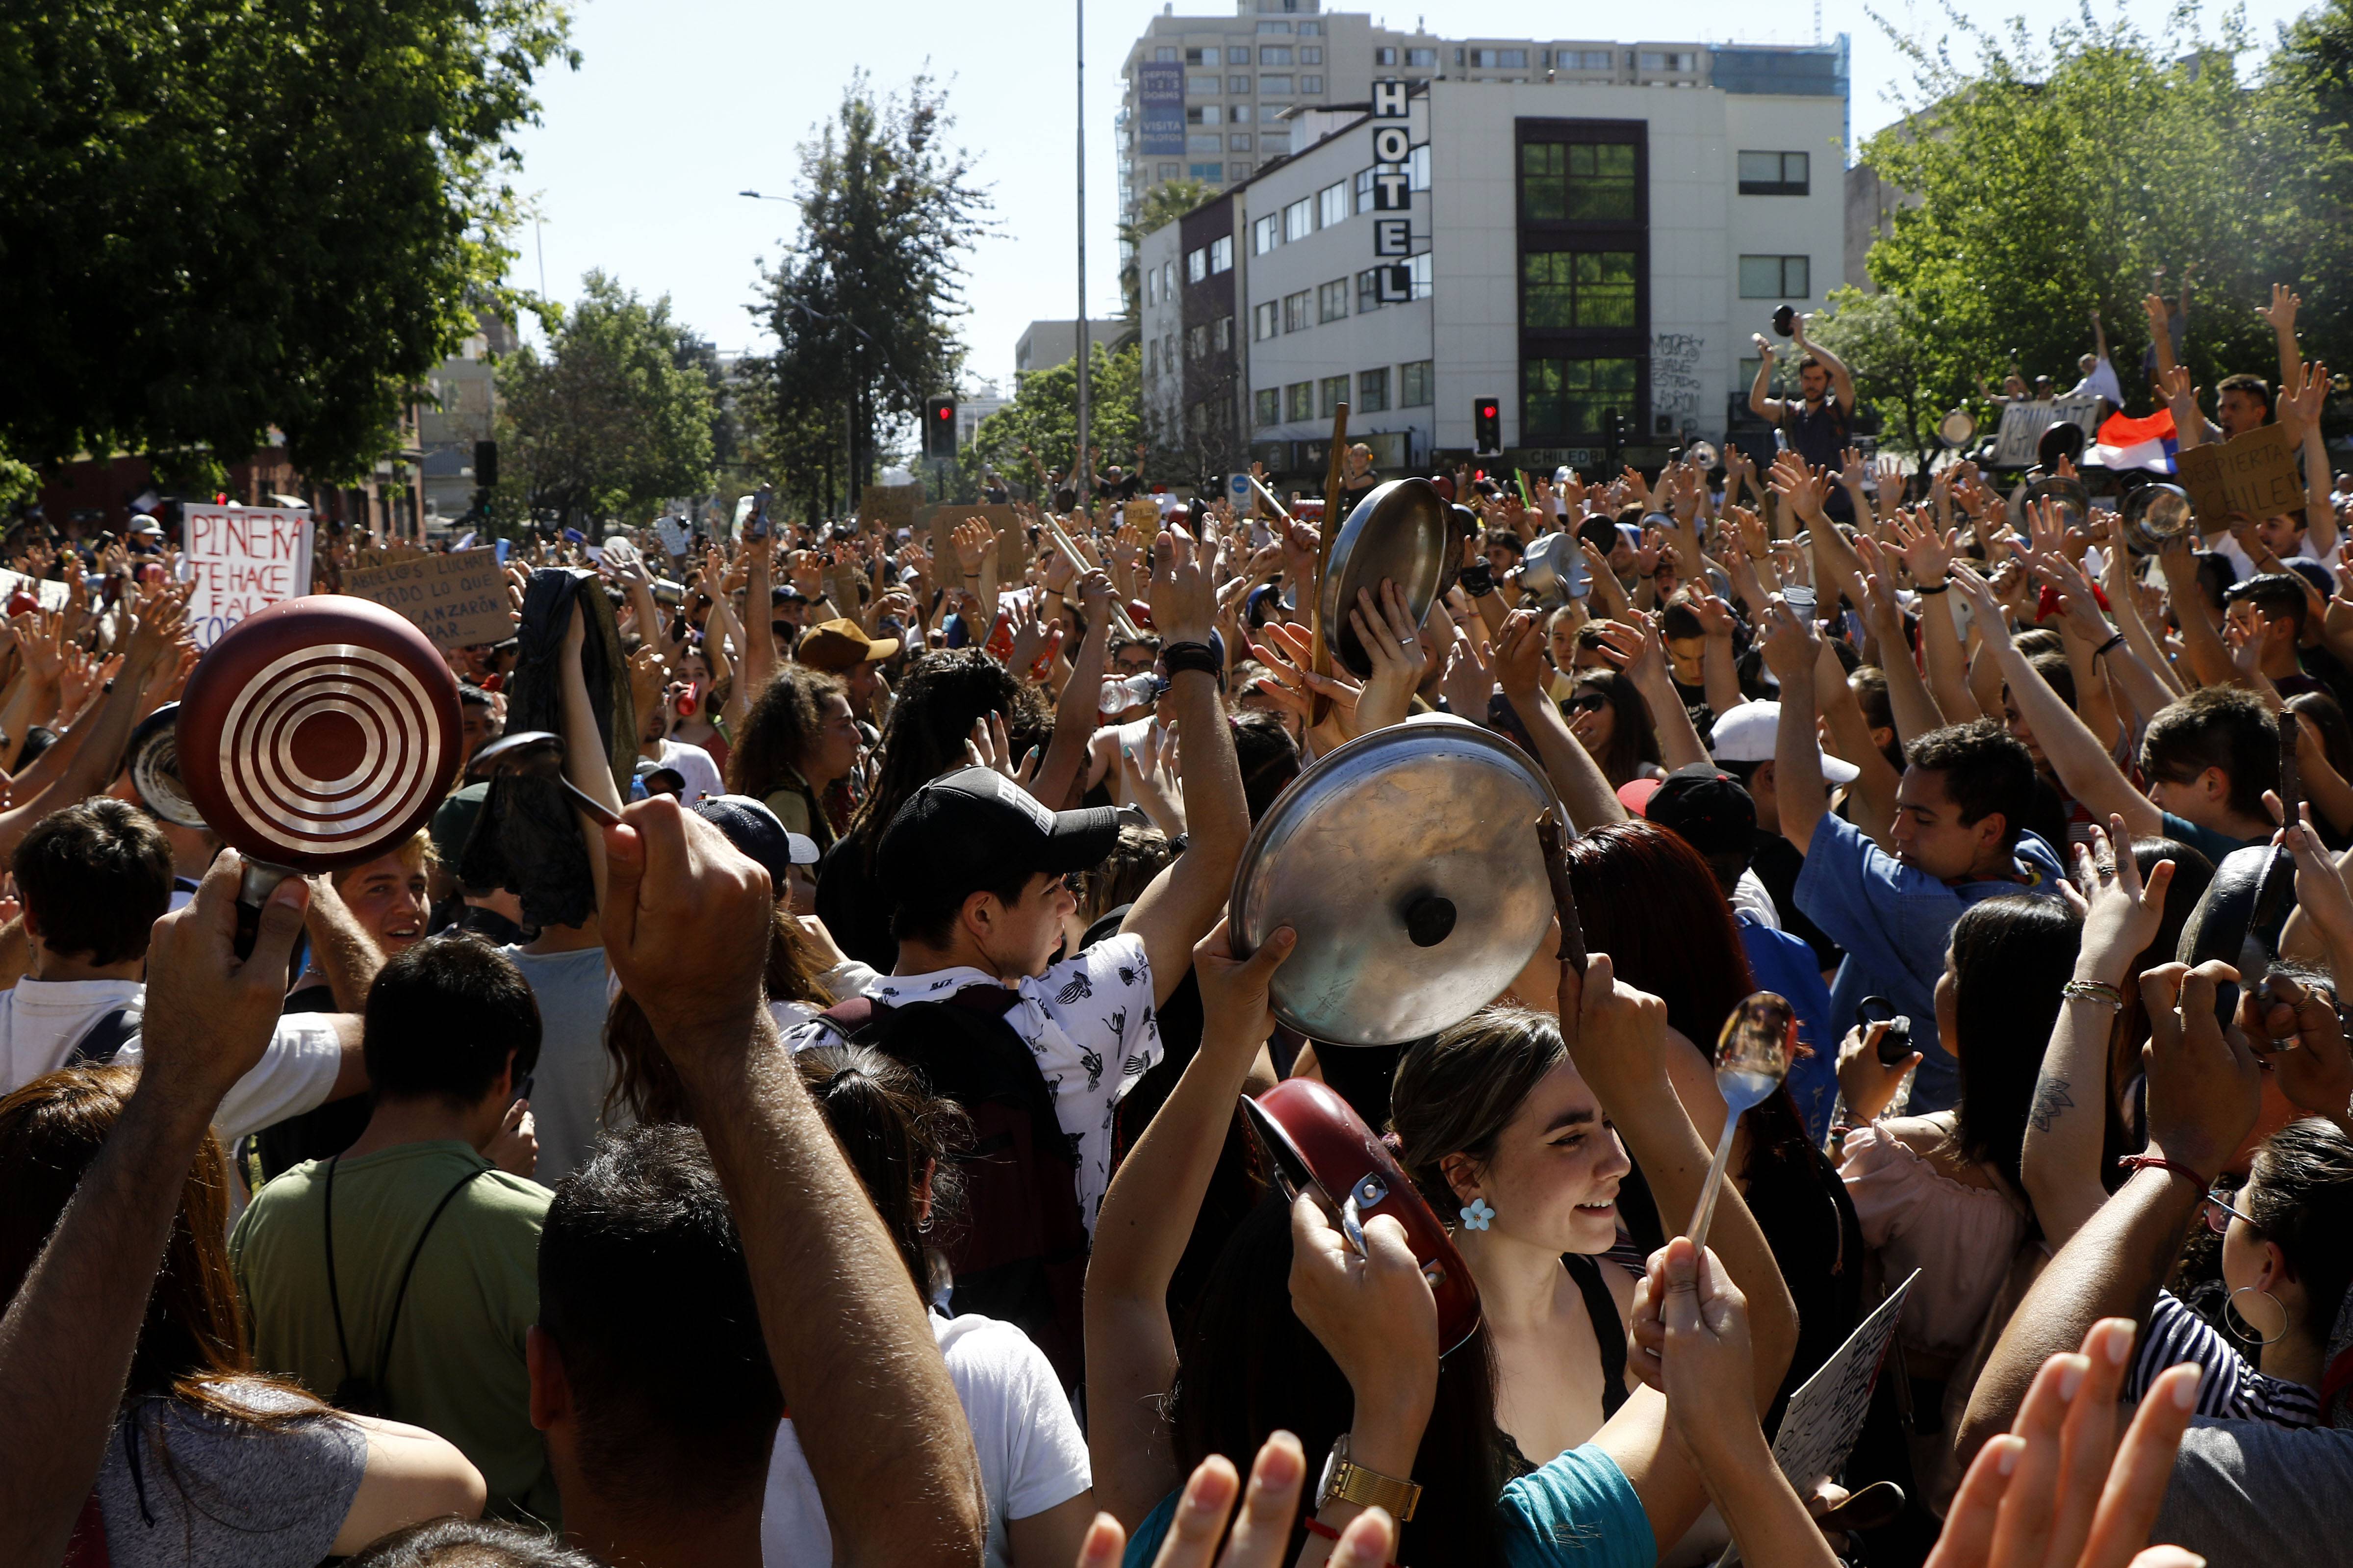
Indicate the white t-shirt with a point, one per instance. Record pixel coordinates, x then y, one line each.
695 766
1749 898
42 1021
1089 1023
1032 1456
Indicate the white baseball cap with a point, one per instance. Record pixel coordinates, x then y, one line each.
1746 734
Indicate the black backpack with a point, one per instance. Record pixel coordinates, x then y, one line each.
1020 1254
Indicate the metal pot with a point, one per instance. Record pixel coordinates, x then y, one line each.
2155 514
1403 531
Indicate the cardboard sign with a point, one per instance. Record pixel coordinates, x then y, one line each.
49 593
891 505
458 599
1825 1416
2022 424
1012 539
242 558
1144 512
2253 475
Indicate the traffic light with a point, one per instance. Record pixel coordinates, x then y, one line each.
1487 425
486 465
940 428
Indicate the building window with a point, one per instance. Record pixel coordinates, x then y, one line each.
1265 235
1368 290
1418 268
1274 84
1201 57
1199 142
1152 286
1266 406
1238 172
1295 309
1203 86
1167 55
1774 277
1578 180
1332 301
1299 218
1310 57
1274 26
1221 253
1238 85
1196 340
1205 171
1564 399
1152 358
1335 392
1267 55
1201 114
1426 58
1416 168
1669 61
1499 60
1224 335
1273 140
1384 57
1311 84
1584 59
1237 141
1773 174
1170 170
1416 387
1363 190
1238 55
1373 391
1565 289
1239 114
1299 400
1311 29
1332 205
1265 321
1197 265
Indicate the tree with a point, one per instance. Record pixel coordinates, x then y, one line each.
1044 416
218 219
2308 141
1164 203
2052 179
608 423
864 302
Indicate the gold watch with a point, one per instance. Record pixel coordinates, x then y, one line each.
1345 1482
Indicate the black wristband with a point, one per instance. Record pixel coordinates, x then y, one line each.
1940 588
1477 580
1178 657
2102 650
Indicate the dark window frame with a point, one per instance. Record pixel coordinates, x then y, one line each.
1540 236
1783 186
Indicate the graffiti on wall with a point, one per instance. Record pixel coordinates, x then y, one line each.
1675 373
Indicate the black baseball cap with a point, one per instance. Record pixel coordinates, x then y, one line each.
751 827
974 828
1708 808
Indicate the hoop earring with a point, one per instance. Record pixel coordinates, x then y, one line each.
2253 1336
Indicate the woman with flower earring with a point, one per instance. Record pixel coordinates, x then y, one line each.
1503 1136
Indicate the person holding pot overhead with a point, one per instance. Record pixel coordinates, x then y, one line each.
1817 425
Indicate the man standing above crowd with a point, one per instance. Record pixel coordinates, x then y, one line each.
1818 424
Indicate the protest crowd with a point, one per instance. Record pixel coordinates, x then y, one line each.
818 1110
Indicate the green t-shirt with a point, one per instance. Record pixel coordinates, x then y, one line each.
457 1363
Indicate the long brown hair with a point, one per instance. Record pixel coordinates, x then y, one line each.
193 1339
1634 738
645 1085
901 1139
1456 1091
785 722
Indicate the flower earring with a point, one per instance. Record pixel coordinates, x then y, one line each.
1476 1215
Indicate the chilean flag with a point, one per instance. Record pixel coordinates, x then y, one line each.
2136 443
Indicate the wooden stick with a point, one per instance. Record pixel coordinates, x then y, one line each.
1319 705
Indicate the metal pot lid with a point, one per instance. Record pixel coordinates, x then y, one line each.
1403 531
2153 514
154 765
1956 428
2073 501
1406 862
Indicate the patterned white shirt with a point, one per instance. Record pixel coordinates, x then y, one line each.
1089 1021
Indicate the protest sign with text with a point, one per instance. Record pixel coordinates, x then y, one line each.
2251 476
456 600
241 560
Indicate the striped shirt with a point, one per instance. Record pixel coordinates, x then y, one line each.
2231 1388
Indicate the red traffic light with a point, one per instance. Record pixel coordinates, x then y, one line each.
1486 410
944 411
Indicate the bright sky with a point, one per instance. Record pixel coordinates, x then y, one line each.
676 108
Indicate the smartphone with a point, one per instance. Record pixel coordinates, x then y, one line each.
523 1090
1897 1042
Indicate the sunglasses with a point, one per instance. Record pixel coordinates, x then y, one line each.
2219 1213
1586 702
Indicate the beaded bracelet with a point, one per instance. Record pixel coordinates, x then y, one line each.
2093 990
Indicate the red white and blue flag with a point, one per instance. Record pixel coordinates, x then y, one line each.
2134 443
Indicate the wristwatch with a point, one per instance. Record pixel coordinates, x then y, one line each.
1347 1482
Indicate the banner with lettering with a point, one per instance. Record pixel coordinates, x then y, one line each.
241 559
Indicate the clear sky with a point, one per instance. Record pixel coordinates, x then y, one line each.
680 104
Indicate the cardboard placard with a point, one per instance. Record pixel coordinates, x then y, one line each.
1012 538
458 599
891 505
2022 424
1144 512
2253 475
841 580
242 558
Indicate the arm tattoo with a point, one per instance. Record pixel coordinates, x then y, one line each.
2049 1099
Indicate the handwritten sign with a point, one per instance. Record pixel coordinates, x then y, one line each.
1144 513
2253 475
673 535
891 505
242 558
2020 443
458 599
49 593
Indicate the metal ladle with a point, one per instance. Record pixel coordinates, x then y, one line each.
1752 1057
538 753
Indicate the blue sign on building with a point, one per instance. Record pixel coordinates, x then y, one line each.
1160 94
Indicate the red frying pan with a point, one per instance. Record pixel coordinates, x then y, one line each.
1318 1143
317 734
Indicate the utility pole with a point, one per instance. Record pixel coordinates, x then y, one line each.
1078 480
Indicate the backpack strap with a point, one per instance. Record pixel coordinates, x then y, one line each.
102 1039
335 1297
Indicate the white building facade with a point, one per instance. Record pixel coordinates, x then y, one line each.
1581 255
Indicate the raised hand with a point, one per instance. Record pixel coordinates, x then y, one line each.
1184 601
210 1014
2123 914
2204 1086
2281 312
686 922
1927 553
1385 630
1469 677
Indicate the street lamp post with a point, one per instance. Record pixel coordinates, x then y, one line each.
1078 480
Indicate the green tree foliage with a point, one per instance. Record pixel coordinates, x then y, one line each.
1164 203
214 218
2308 136
2054 178
608 423
1044 416
864 304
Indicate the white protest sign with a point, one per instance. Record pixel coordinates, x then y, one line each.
673 535
1825 1416
47 592
242 558
2019 444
